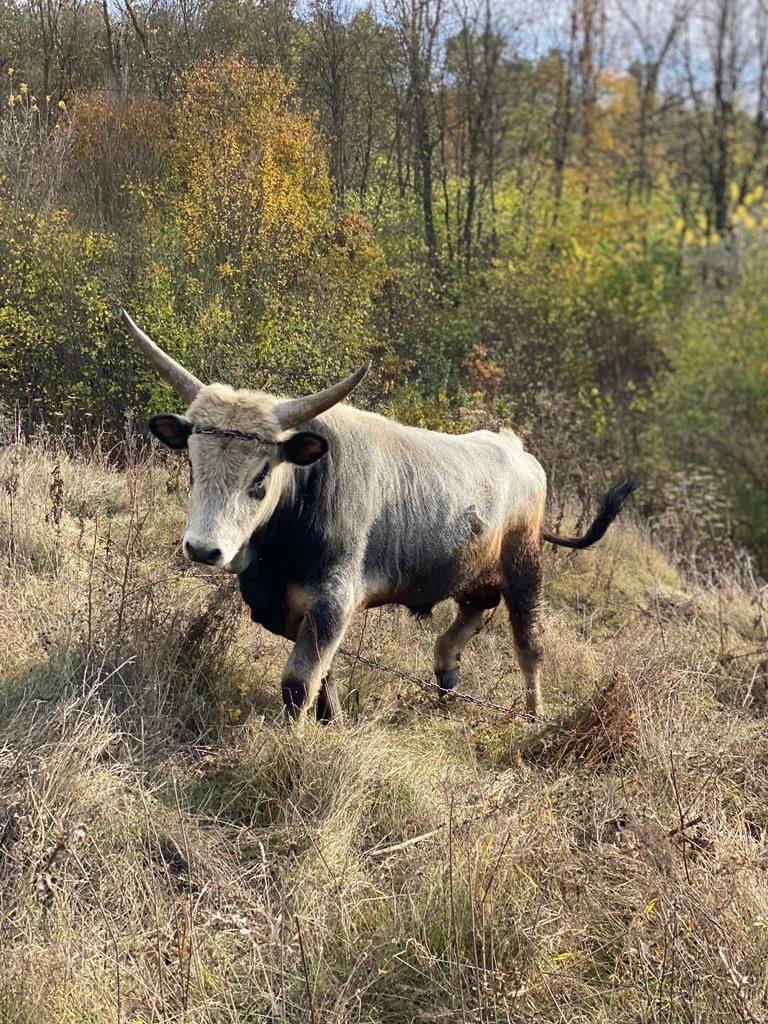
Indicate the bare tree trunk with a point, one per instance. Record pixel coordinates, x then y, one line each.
737 48
111 56
722 118
564 113
417 23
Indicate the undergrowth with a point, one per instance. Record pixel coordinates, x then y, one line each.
171 852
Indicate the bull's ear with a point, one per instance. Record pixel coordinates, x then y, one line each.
172 430
303 448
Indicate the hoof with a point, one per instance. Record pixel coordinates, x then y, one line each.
447 678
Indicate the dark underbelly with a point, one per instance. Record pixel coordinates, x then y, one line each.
419 610
424 589
464 581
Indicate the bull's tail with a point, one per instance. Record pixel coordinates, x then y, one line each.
609 509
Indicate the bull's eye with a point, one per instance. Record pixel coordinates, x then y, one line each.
256 489
191 475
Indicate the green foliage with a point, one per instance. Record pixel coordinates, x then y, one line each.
560 337
713 402
54 317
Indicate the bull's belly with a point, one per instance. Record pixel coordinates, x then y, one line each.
420 592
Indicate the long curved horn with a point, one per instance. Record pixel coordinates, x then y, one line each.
294 411
181 380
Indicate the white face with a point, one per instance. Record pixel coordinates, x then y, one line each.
236 486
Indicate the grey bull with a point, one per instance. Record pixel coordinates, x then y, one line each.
322 509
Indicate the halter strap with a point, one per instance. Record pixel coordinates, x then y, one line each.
237 434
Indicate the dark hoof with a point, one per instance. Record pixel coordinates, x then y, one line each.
447 678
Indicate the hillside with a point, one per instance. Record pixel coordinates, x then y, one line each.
169 851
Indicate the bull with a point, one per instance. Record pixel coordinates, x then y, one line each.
322 509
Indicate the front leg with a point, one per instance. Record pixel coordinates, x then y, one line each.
320 633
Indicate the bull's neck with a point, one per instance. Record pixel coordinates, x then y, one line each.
290 537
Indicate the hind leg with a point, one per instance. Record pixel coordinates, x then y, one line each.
521 587
474 611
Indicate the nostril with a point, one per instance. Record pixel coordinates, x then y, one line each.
198 553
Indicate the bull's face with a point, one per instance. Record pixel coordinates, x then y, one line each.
244 448
236 482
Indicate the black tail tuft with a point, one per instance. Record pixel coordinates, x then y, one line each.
609 509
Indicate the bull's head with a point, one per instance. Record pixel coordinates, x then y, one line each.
243 449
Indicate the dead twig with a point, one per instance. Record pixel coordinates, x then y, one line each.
310 1000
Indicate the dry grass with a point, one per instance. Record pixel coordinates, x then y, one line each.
170 852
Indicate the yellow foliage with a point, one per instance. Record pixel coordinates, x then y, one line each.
753 196
744 218
255 189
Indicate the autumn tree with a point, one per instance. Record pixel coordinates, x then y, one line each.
341 74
